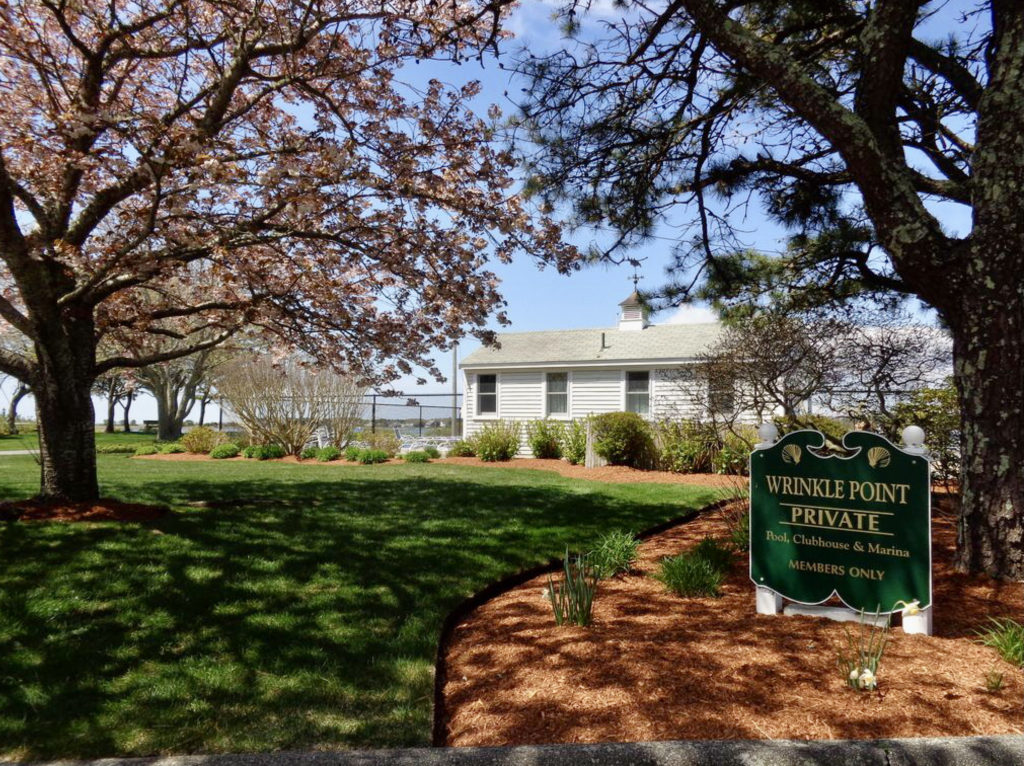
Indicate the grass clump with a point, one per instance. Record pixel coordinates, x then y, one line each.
264 451
115 449
224 451
615 553
572 599
328 454
416 456
309 453
352 453
146 449
697 572
432 452
1007 638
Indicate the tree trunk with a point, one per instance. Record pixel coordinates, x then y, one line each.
202 409
67 420
128 398
12 417
111 409
168 422
988 350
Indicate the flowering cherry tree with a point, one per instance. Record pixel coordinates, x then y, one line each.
264 159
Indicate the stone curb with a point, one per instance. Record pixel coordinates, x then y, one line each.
953 751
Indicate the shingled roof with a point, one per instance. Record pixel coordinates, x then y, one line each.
667 342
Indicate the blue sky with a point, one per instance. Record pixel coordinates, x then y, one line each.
543 299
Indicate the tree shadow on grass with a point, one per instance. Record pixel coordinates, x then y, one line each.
308 616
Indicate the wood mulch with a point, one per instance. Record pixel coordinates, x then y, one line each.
654 666
104 509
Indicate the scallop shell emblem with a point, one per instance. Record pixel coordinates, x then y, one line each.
791 454
878 457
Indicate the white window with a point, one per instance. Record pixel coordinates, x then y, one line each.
558 393
487 394
638 392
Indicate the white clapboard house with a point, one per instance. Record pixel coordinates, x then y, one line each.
569 374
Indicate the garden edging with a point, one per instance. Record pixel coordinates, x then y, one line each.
498 587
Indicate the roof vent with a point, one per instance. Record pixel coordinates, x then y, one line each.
633 314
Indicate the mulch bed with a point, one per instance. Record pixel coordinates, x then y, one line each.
104 509
655 666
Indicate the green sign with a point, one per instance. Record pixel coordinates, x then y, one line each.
857 526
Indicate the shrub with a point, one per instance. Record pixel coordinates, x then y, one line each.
432 452
689 575
310 453
202 440
371 456
733 457
462 448
417 456
572 600
545 438
264 451
116 449
222 451
574 442
937 412
387 441
615 553
1007 638
498 441
623 438
328 454
171 448
146 449
687 446
352 453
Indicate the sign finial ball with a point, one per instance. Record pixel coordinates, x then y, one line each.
768 433
913 436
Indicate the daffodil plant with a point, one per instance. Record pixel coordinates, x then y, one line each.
863 654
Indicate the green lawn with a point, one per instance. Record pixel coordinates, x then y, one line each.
30 440
307 615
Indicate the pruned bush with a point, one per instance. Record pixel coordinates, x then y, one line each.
697 572
686 446
432 452
352 453
200 440
545 438
146 449
498 441
462 448
371 456
172 448
615 553
386 441
574 442
223 451
328 454
416 456
623 438
285 403
264 451
310 453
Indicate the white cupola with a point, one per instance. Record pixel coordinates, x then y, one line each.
633 313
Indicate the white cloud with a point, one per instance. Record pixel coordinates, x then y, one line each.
690 314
